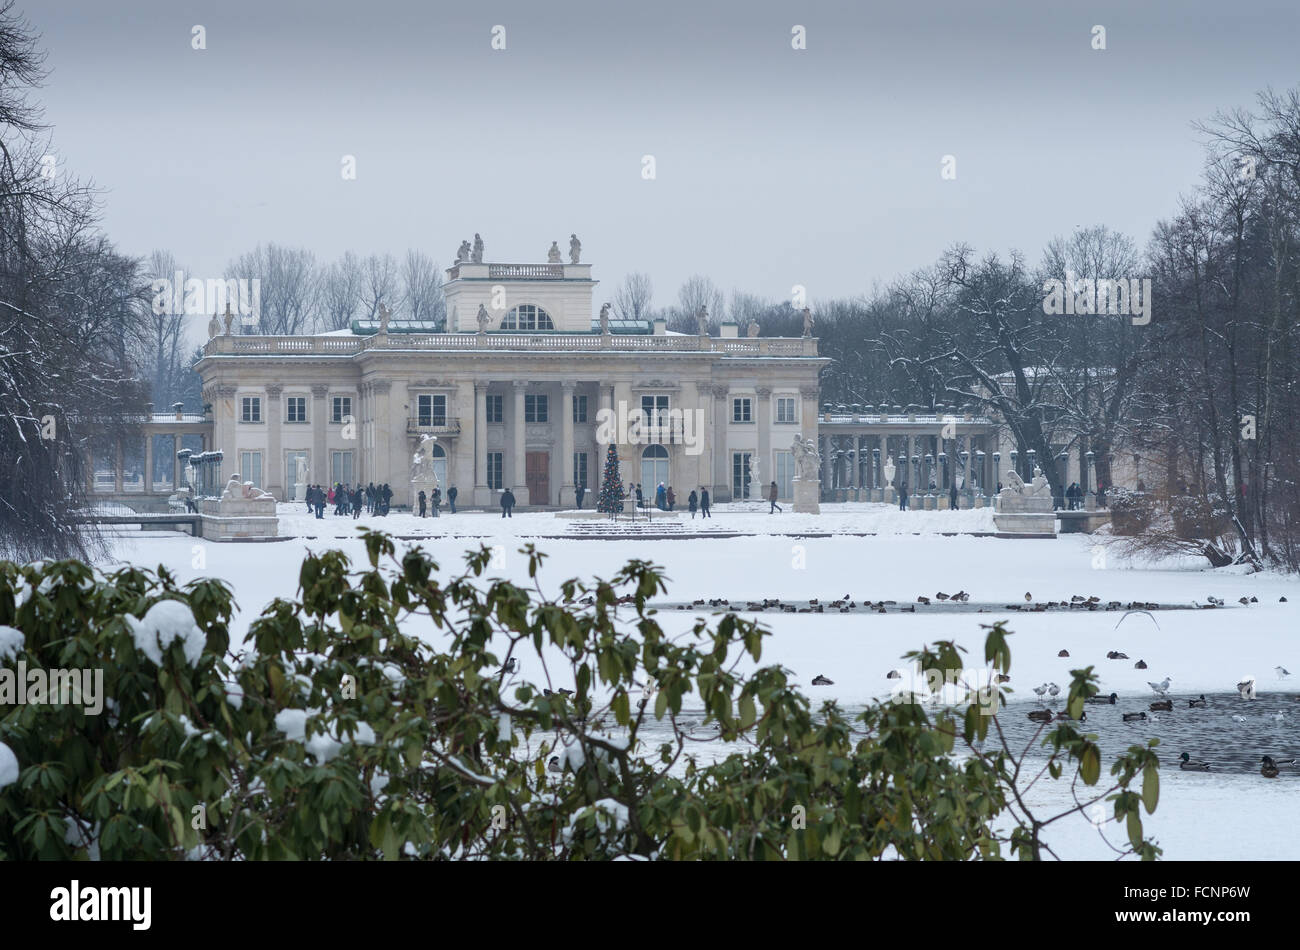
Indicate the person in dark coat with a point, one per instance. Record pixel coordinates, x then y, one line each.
451 498
693 500
507 503
422 502
772 496
437 501
640 499
320 502
952 496
370 498
358 501
672 498
385 497
704 503
661 497
902 496
578 492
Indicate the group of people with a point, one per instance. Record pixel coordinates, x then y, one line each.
435 497
349 499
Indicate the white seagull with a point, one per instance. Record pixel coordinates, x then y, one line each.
1053 690
1040 690
1282 672
1162 687
1247 688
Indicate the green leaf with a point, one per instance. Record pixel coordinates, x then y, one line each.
1090 764
1150 787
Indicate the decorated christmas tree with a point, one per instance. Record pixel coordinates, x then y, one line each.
611 485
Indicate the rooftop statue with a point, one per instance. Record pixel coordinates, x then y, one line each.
384 315
575 249
553 255
807 322
702 320
462 253
484 318
230 318
604 318
214 326
752 329
477 256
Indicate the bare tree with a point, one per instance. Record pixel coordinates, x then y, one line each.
632 299
422 288
379 282
698 291
340 293
289 284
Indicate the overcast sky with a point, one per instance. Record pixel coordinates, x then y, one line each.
774 167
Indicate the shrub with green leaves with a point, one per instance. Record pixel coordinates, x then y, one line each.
376 716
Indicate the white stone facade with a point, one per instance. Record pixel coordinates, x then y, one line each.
513 409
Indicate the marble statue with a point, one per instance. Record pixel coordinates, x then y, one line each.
1040 486
807 322
553 255
702 320
214 327
462 253
230 318
752 330
422 470
575 249
484 318
237 489
604 318
477 255
384 316
806 458
1012 482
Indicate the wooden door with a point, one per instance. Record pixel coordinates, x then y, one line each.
537 476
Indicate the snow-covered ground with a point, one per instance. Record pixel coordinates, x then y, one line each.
1204 651
746 517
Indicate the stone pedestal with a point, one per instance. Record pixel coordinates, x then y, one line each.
427 487
806 495
1021 513
236 519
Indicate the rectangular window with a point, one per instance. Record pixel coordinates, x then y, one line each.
654 410
494 460
341 468
495 413
741 476
432 410
579 408
785 409
342 408
785 474
297 409
580 469
742 409
535 409
250 468
252 409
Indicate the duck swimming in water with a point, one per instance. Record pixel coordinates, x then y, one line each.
1197 703
1269 767
1188 764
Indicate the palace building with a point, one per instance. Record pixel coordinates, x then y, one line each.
523 389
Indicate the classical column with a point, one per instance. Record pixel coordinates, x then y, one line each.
721 475
148 464
766 470
852 459
481 496
271 468
828 469
566 441
118 464
176 463
520 441
628 470
320 462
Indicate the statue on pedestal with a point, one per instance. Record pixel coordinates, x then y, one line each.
462 253
384 315
553 255
575 249
214 327
484 318
1013 483
604 319
702 320
477 255
807 460
230 318
752 330
807 322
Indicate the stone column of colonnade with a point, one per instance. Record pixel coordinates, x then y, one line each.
320 460
517 481
766 467
629 462
566 443
481 492
272 464
461 449
720 489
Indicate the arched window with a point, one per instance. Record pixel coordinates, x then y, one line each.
440 467
654 469
527 316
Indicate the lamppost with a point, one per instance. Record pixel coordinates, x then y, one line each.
1032 453
943 470
1091 459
